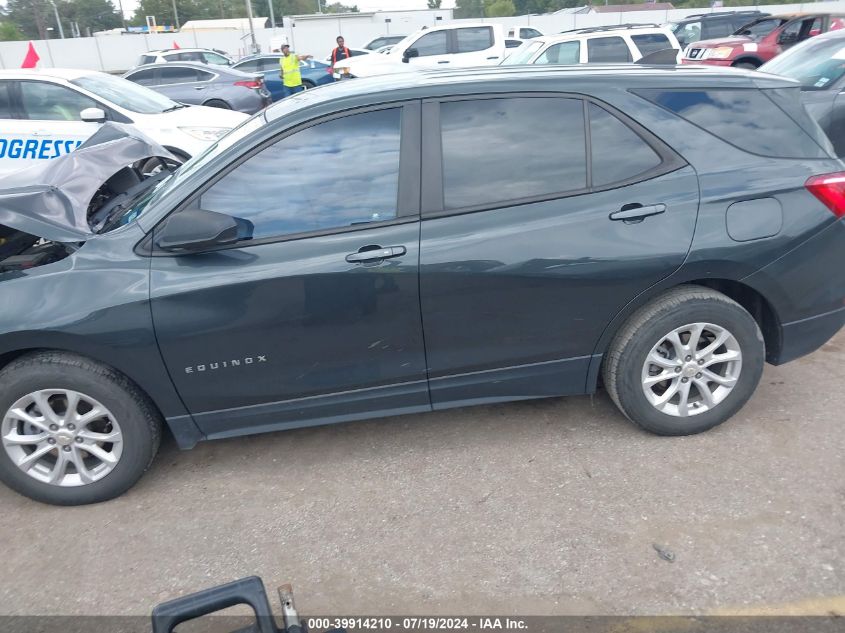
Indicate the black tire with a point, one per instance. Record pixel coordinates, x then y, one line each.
140 423
747 65
626 357
217 103
308 84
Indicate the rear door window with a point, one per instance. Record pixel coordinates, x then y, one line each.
745 118
177 75
607 50
534 147
716 27
473 39
651 42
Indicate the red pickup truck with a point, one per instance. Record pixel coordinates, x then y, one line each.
759 41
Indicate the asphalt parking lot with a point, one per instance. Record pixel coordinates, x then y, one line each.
543 507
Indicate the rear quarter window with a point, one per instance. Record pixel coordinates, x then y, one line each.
745 118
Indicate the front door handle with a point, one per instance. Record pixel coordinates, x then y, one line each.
637 211
494 57
375 254
443 62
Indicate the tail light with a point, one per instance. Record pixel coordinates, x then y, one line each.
249 83
830 189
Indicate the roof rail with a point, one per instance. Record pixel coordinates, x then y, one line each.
704 15
611 27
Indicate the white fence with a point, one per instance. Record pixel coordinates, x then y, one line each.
316 34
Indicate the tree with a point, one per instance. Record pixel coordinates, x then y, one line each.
499 8
9 32
32 17
434 4
469 9
337 7
90 15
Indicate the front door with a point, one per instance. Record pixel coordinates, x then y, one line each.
533 247
316 318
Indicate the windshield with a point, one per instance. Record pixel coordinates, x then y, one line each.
817 63
126 94
523 54
759 29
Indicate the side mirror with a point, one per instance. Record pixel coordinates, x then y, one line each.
93 115
195 230
409 53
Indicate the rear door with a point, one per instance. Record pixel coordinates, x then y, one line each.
475 46
519 280
181 83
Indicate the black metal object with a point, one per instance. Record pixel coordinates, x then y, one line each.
249 591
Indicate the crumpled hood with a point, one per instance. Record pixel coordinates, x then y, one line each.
50 199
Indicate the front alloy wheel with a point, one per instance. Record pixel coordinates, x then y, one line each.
62 437
692 369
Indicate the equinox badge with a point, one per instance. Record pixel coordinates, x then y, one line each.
224 364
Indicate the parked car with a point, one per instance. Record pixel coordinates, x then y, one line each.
595 45
198 55
708 26
454 44
200 84
761 40
819 65
523 32
48 113
343 255
313 73
382 41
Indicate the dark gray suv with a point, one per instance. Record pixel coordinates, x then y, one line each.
426 241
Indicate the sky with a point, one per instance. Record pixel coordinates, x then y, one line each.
363 5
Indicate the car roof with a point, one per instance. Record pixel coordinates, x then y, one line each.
66 74
425 83
600 31
180 49
198 65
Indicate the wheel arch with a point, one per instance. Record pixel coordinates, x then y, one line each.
159 390
748 59
757 305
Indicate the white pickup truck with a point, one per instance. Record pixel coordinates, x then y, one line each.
438 47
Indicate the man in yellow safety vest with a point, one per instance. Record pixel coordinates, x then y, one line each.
291 77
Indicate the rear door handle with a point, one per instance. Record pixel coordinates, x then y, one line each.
494 57
443 62
375 254
637 211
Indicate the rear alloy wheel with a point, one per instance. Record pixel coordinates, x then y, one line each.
217 103
307 85
692 369
73 431
685 362
746 66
